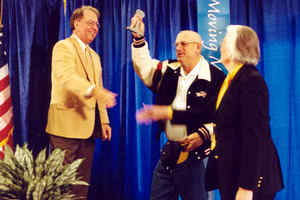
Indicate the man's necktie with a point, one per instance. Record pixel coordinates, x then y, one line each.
90 64
183 156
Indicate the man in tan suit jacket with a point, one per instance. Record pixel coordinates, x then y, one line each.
78 103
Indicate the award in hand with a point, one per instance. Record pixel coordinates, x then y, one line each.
135 27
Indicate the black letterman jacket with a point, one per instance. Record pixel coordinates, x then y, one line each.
162 79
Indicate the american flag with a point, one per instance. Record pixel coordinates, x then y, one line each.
6 110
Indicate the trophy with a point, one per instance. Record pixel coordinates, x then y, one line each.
135 29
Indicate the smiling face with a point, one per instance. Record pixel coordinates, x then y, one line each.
86 27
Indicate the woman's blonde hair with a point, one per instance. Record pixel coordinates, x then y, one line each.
243 44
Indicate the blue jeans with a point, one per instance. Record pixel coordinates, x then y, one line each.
185 180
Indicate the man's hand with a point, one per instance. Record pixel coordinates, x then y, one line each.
137 21
105 97
153 113
191 142
244 194
106 132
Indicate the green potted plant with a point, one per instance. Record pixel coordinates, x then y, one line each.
23 178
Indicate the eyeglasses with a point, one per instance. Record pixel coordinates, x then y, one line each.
184 44
91 23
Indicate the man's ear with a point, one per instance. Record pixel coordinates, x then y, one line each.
76 23
199 46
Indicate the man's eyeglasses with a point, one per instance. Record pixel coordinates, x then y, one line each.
92 24
184 44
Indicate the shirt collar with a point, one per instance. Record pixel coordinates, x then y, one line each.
194 71
82 45
201 69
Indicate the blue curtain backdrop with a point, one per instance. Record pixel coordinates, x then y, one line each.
123 167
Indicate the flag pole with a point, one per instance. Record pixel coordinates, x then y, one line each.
1 11
65 11
65 7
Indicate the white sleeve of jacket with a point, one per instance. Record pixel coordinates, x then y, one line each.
143 64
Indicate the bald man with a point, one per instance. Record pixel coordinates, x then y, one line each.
186 91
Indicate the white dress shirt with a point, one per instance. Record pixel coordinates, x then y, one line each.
201 71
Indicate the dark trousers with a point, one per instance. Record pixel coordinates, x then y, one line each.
75 149
185 180
227 195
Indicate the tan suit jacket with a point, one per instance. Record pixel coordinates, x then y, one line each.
72 114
